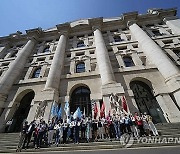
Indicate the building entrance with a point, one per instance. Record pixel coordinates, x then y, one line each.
146 101
81 98
22 112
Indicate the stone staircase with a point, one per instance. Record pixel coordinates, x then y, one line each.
8 142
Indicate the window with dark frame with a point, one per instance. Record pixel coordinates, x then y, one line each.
80 67
36 72
128 61
80 44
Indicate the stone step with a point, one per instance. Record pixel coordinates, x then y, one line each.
76 147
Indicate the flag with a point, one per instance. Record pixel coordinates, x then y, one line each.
102 112
77 113
84 113
92 104
124 103
54 109
59 113
66 109
95 110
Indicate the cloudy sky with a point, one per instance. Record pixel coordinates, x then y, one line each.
26 14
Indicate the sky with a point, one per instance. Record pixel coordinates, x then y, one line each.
20 15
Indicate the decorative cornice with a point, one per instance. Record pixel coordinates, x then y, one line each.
63 28
96 23
34 33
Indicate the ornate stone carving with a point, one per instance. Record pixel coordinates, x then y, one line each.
115 102
40 110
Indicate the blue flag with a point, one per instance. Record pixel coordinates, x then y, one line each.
54 109
59 113
66 109
77 113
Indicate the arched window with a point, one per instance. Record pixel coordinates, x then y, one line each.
46 49
81 98
117 38
80 67
128 61
36 72
80 44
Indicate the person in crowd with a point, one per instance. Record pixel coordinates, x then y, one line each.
83 127
116 126
127 124
22 136
51 124
122 125
88 129
106 127
145 124
134 126
111 127
65 129
152 126
58 131
94 129
139 123
29 133
100 128
72 127
77 129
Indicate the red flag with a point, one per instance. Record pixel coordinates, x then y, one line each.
95 111
102 113
124 103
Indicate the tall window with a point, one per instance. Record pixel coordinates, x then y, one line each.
46 49
117 38
157 32
80 67
128 61
80 44
36 72
177 52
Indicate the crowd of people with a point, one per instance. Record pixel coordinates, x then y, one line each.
84 129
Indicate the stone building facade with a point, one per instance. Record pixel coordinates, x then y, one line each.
93 60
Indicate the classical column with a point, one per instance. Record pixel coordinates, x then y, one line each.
154 52
55 71
105 68
16 67
173 23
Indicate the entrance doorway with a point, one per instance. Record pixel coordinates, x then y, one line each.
81 98
22 112
146 101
